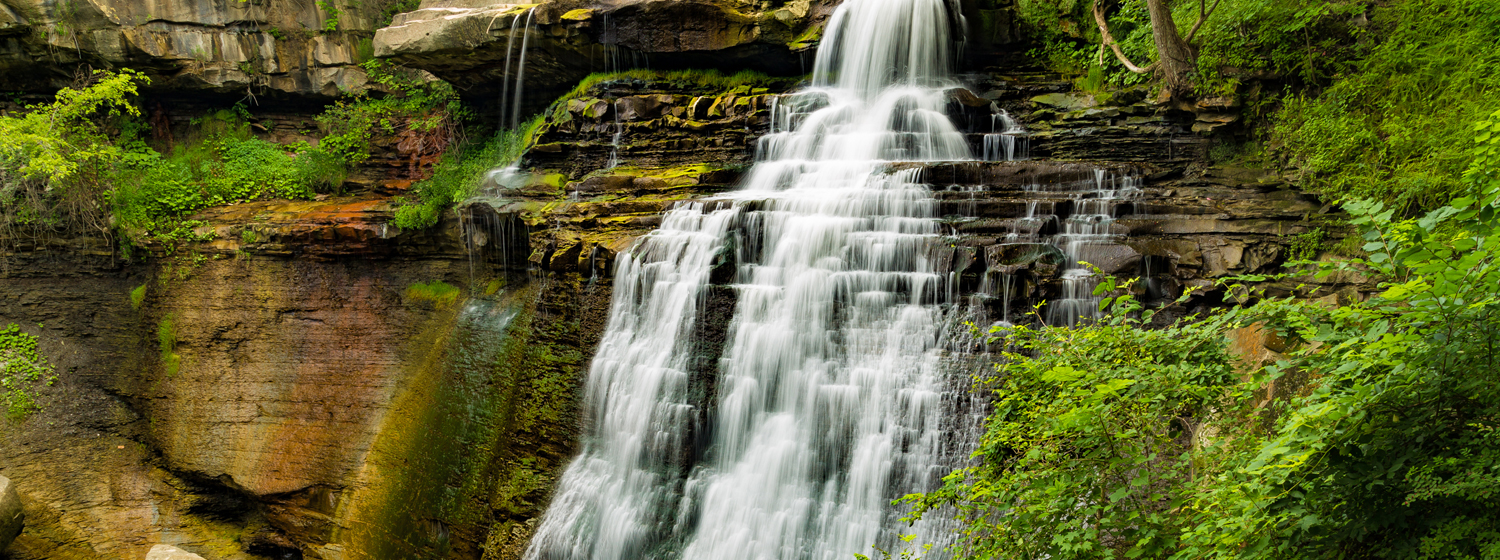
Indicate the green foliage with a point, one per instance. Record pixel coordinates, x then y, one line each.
138 296
394 7
166 339
225 165
57 159
1305 247
331 22
1096 436
458 175
1372 436
424 116
81 164
22 369
1304 40
437 291
1395 128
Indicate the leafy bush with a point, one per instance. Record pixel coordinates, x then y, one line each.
57 160
1307 41
1374 435
22 369
225 165
1396 128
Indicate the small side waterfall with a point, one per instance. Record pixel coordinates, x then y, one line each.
1007 139
828 399
614 142
510 98
1077 219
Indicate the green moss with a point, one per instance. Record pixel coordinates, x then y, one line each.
166 339
479 439
138 296
437 292
707 80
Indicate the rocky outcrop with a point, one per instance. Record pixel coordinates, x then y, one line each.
476 44
229 46
12 518
169 552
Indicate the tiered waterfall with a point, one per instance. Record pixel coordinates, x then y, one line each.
826 401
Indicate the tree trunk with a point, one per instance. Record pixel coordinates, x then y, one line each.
1174 57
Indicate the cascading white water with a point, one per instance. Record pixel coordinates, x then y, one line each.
1007 139
827 400
1087 228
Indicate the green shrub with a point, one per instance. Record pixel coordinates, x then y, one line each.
22 369
224 164
1375 433
1396 128
58 160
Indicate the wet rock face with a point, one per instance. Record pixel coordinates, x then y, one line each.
654 125
283 46
11 516
299 384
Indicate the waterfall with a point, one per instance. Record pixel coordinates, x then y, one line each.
515 108
827 399
1088 229
507 106
1006 140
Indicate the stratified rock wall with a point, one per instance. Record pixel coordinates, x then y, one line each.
319 386
229 46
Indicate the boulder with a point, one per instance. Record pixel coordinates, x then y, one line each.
169 552
11 517
1009 258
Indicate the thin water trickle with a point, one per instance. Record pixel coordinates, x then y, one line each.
829 398
614 142
515 108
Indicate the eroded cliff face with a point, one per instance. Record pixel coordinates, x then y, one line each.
228 46
312 381
384 398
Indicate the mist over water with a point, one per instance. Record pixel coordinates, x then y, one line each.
827 400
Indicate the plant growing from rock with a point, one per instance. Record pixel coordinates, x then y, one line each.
22 369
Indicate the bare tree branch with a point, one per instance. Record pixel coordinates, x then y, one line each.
1109 41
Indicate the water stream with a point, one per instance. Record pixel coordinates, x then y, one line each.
826 397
